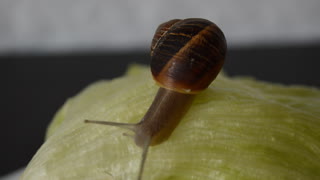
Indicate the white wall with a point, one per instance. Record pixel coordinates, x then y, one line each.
55 25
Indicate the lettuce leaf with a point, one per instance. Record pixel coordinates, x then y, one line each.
239 128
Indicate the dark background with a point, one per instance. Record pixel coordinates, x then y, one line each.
33 87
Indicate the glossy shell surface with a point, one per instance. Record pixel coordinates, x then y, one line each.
187 55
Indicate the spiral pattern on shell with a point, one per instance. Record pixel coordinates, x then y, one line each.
187 55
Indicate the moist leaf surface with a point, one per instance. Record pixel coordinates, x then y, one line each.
239 128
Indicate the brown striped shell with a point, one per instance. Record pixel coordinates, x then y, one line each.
187 55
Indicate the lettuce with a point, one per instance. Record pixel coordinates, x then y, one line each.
239 128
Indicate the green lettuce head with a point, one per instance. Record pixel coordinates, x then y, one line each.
239 128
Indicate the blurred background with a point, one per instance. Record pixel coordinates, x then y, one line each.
50 50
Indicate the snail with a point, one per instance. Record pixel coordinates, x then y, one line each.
186 56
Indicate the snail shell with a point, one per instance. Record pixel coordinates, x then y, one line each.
187 55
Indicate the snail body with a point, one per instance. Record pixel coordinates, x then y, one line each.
186 56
